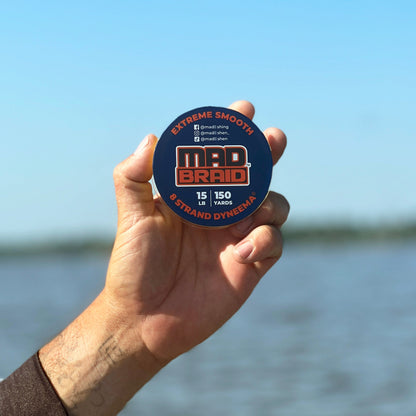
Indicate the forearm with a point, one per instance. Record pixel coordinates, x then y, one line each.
98 363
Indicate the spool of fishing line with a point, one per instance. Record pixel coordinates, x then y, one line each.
212 166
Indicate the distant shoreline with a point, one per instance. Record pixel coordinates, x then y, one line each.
333 234
71 246
339 233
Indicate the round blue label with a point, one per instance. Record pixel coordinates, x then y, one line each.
212 166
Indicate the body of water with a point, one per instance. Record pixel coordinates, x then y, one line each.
331 330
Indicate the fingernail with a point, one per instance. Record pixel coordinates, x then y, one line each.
244 249
145 142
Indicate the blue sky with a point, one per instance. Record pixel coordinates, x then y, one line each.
82 82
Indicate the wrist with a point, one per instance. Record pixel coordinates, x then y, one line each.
97 365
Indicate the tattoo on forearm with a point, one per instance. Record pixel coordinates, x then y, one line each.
110 351
68 373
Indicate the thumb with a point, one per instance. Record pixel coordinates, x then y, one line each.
134 193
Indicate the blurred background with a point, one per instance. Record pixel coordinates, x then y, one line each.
331 329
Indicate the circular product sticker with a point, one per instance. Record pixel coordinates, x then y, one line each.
212 166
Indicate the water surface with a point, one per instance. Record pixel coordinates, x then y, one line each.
331 330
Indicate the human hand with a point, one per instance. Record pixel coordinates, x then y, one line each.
174 283
169 286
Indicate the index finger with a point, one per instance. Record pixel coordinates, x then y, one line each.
276 138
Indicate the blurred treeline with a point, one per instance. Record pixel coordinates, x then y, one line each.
292 233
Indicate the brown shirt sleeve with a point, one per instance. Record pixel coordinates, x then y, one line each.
28 392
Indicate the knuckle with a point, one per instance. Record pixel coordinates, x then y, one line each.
276 248
278 134
266 236
118 174
276 208
285 203
271 242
